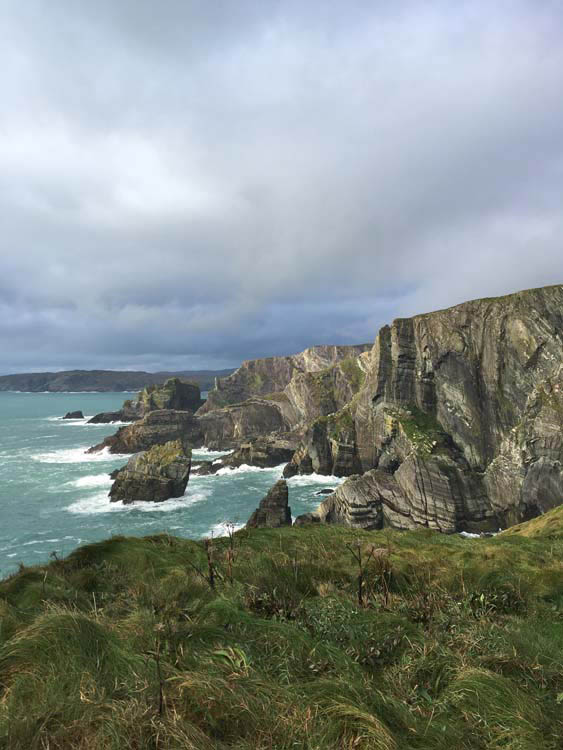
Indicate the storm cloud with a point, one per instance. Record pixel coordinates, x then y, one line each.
187 184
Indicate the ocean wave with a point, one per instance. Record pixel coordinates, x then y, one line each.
206 453
302 480
92 480
246 469
100 503
76 456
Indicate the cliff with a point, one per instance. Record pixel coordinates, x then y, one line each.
461 412
173 394
259 377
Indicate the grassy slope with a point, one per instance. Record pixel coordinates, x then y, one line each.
467 651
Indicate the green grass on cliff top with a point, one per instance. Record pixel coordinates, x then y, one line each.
125 645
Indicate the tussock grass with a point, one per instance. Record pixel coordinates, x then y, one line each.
126 644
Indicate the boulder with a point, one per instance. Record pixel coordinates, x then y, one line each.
153 476
273 510
73 415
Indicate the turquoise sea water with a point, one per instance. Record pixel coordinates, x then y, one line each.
54 497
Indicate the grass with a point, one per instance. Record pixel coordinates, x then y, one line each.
458 645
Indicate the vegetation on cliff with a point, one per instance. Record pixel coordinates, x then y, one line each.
297 637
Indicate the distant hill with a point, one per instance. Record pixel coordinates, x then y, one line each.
102 380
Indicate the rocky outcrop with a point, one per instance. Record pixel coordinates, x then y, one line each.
73 415
230 427
273 510
328 447
157 428
263 452
259 377
307 396
126 414
461 413
153 476
174 394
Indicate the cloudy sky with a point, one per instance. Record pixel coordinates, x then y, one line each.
188 183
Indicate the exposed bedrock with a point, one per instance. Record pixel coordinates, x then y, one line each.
259 377
74 415
157 428
462 409
273 510
153 476
264 453
174 394
231 426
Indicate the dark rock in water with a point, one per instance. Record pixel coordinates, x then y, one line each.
325 491
264 452
73 415
273 510
107 417
205 468
153 476
157 428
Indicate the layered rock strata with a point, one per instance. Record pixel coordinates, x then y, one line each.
260 377
461 413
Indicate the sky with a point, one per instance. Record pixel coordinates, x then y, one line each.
188 184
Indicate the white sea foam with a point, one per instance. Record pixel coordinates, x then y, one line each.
92 480
206 453
223 529
85 422
100 503
76 456
302 480
246 469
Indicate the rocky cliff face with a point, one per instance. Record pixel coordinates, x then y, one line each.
157 475
461 412
157 428
173 394
307 396
259 377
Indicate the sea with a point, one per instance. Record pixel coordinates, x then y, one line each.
54 495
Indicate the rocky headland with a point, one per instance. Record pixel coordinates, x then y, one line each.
451 420
173 394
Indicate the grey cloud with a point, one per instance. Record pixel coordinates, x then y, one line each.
203 182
